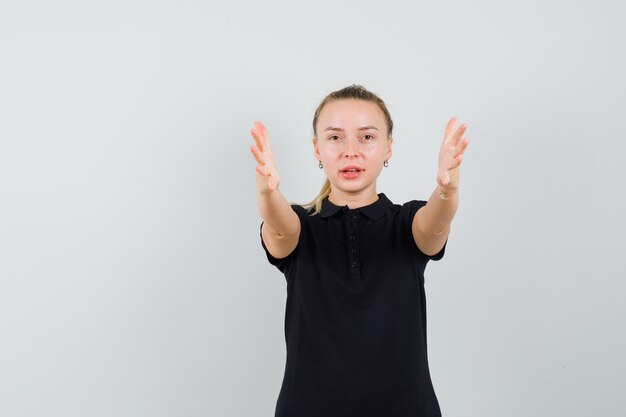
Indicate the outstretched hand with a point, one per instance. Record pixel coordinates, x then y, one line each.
451 155
268 178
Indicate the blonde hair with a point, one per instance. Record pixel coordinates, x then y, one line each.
355 92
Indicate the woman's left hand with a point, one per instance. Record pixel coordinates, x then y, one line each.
451 155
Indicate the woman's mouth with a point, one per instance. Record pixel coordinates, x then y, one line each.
351 172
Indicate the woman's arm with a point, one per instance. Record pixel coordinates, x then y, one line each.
431 224
281 225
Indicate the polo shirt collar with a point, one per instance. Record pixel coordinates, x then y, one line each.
373 211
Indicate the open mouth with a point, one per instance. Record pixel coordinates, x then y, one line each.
351 172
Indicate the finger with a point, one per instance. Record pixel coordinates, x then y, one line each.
449 128
260 126
257 138
272 184
456 138
257 155
456 162
461 147
263 133
262 171
442 176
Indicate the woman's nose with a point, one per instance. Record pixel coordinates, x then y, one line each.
351 148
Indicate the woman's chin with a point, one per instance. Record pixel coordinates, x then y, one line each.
350 186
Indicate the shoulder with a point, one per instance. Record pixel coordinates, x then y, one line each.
413 205
406 210
288 248
410 209
302 212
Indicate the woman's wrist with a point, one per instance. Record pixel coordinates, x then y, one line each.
446 193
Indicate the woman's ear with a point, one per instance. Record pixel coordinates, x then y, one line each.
388 151
316 149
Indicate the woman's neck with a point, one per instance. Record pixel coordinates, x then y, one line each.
353 200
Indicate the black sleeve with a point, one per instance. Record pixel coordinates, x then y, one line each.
409 210
283 264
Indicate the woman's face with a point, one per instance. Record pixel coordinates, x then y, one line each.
352 144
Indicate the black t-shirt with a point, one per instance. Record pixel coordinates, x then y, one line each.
355 317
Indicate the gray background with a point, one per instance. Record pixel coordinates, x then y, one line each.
132 280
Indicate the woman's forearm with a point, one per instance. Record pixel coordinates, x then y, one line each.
437 215
277 213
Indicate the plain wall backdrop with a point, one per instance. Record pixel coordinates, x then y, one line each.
132 278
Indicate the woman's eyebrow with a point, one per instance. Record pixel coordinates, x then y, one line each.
338 129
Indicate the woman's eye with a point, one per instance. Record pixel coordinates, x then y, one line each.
368 137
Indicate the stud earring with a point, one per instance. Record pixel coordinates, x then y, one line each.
386 163
320 165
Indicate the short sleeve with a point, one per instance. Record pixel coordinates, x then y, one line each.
409 210
283 264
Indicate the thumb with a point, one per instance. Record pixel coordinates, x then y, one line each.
273 183
444 177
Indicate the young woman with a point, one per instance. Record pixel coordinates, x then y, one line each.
355 318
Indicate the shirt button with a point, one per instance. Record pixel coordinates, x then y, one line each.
354 251
354 264
354 217
352 237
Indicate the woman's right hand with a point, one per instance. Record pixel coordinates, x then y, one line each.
267 174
